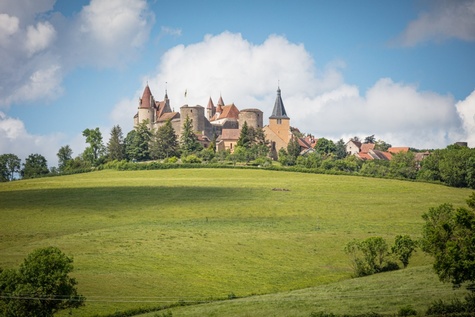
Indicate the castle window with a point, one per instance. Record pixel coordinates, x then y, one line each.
279 121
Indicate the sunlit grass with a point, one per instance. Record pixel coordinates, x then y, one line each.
151 238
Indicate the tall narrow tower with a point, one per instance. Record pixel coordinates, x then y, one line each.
279 122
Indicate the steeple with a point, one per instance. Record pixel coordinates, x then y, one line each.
279 109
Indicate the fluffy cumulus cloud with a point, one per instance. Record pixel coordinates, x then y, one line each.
317 100
444 20
466 110
14 138
39 46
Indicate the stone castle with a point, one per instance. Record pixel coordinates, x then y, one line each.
222 122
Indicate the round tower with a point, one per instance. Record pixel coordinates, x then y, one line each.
253 117
146 107
195 113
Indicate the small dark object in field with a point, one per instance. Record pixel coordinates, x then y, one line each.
281 189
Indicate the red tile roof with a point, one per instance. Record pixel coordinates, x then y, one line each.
366 147
395 150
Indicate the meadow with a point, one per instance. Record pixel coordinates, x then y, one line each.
155 238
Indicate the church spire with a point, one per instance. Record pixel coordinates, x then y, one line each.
279 109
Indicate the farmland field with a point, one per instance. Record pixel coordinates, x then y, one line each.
153 238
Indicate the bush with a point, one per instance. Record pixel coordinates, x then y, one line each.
407 311
191 159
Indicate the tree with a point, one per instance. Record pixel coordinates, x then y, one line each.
9 166
370 139
293 149
96 148
381 145
137 143
403 165
40 287
369 256
115 146
189 142
340 150
245 139
325 146
35 166
164 142
65 156
403 248
449 236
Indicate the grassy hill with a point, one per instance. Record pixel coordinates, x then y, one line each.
152 238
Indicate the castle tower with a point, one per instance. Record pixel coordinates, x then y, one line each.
253 117
278 130
146 107
210 109
219 107
166 107
279 122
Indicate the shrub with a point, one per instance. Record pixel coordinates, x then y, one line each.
407 311
191 159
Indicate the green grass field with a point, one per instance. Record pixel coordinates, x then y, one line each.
153 238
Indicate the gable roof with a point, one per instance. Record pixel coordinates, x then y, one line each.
366 147
279 109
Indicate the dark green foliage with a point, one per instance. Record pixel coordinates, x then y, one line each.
293 148
164 142
116 146
370 139
340 149
403 248
381 145
65 156
449 236
455 307
35 166
9 165
95 151
403 165
454 166
325 146
245 138
188 141
407 311
137 143
369 256
251 145
40 287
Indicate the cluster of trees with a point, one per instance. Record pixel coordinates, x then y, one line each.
448 235
40 287
373 254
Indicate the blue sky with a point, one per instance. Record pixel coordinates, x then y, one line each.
401 70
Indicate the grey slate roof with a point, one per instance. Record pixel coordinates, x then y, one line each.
279 110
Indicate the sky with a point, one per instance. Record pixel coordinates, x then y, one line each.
403 71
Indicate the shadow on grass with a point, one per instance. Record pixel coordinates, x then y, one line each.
113 198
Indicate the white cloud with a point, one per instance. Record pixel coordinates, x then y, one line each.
39 46
466 110
14 138
444 20
40 37
8 26
318 101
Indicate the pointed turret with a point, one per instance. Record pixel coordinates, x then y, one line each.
279 109
147 99
210 109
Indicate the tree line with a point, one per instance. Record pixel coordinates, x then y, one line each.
453 166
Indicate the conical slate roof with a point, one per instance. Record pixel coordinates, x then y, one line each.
279 109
